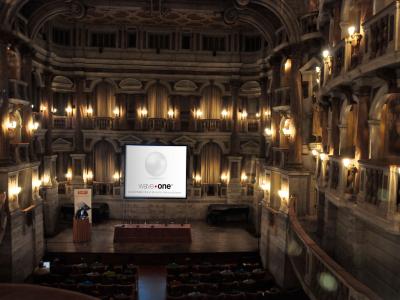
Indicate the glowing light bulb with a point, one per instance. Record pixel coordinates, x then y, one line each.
283 194
89 111
346 162
351 30
325 53
116 111
314 152
224 113
268 131
171 113
323 156
68 109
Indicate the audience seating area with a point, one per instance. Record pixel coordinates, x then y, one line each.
241 280
103 281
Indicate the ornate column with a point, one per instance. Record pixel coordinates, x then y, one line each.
362 130
296 106
79 104
4 142
47 104
235 142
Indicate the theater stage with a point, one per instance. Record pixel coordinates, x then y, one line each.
205 239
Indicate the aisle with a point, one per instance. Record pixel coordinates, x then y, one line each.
152 283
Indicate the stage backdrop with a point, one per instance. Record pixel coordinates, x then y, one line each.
155 171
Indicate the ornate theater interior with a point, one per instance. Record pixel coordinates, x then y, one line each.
199 149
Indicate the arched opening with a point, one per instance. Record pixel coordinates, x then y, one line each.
157 101
104 94
104 162
211 102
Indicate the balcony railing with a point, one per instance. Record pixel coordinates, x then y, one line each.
62 122
17 89
381 32
314 267
309 23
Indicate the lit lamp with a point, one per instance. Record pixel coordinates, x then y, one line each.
347 162
286 131
266 186
268 131
68 110
54 110
198 113
46 180
288 65
224 178
284 195
11 125
315 152
88 176
116 112
244 177
257 115
323 156
33 126
14 191
69 175
89 111
243 115
143 112
36 184
43 108
318 72
116 176
197 179
327 57
171 113
224 113
354 38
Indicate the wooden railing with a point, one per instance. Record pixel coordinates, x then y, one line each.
309 23
320 275
17 89
381 32
62 122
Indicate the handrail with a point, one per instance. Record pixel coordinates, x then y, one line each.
340 273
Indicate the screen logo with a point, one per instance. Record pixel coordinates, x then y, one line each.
155 164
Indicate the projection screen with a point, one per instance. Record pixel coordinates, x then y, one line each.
155 171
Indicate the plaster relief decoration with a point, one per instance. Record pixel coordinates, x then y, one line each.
184 140
61 144
130 84
185 86
129 139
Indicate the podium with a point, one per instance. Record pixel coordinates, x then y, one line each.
81 230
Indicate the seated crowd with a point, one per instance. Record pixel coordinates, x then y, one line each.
104 281
237 281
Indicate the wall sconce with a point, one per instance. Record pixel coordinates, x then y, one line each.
171 113
268 131
14 191
33 126
286 131
318 73
267 113
116 112
315 152
283 194
197 179
198 113
257 115
43 108
323 156
116 176
243 115
36 184
88 176
347 162
54 110
266 186
11 125
69 175
224 178
89 111
244 177
327 57
68 110
46 180
224 113
354 38
143 112
288 65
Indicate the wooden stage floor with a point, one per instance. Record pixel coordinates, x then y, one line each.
205 239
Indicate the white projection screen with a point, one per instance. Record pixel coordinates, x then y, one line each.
155 172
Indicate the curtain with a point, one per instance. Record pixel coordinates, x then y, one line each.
157 101
211 103
210 164
105 99
104 162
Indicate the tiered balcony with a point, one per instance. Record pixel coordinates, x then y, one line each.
17 89
382 32
314 267
309 23
62 122
100 123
